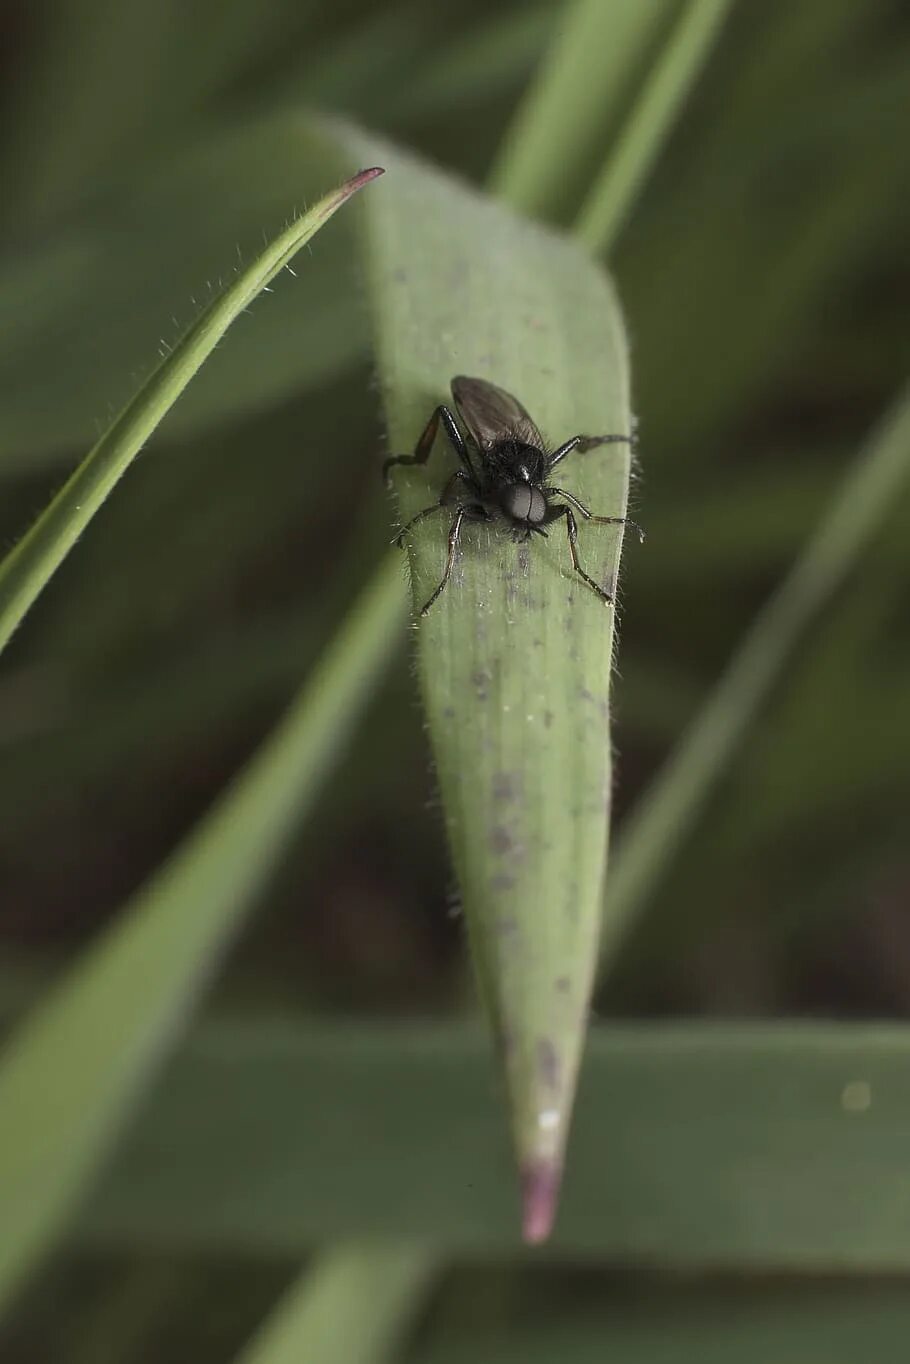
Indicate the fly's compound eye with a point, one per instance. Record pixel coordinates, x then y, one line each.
538 508
523 503
517 500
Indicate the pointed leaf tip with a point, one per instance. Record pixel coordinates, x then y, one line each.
363 177
350 187
540 1194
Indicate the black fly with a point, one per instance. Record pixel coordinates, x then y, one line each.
511 483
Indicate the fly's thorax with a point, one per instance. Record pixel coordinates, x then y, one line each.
517 462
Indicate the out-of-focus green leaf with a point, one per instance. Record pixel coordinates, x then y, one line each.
27 568
575 101
653 1325
671 806
809 189
653 115
70 1076
352 1306
491 56
760 1146
84 106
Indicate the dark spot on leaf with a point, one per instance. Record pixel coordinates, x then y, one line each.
501 840
547 719
481 680
599 701
449 712
506 924
506 786
548 1063
563 984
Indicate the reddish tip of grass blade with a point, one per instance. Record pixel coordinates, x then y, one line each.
363 176
344 192
540 1193
357 181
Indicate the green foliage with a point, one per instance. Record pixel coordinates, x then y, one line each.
315 1318
755 213
28 567
69 1078
654 832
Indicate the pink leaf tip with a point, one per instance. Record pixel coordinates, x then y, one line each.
540 1193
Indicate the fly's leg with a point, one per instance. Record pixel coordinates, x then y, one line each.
454 532
572 532
421 515
582 444
425 443
445 500
598 520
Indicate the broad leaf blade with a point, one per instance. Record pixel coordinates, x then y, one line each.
515 656
762 1146
713 1323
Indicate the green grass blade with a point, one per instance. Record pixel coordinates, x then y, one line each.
69 1077
353 1306
28 568
575 100
515 657
769 1146
57 377
672 804
649 123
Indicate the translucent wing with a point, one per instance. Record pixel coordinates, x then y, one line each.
491 414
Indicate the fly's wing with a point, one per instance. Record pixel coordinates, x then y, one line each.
491 414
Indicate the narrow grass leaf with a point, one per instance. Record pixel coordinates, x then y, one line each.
70 1075
656 829
515 656
651 120
352 1306
59 375
28 568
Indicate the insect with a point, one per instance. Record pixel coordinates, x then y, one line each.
505 473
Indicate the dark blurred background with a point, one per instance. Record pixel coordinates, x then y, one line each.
765 279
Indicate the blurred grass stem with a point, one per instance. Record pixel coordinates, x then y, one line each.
655 830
